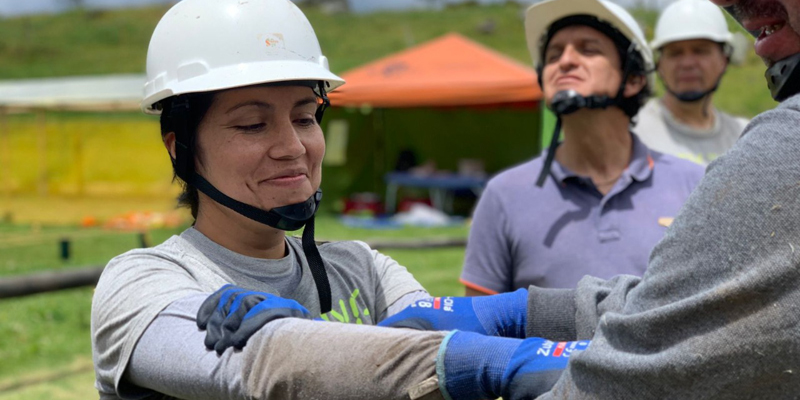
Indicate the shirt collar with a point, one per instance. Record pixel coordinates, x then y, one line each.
640 167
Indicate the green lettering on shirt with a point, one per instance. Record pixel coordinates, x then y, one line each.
343 315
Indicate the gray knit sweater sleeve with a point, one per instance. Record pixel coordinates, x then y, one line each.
717 313
573 314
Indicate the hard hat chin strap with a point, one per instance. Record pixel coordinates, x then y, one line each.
783 78
288 218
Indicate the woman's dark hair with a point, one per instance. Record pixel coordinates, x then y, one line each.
199 103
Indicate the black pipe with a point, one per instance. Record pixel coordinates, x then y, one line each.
25 285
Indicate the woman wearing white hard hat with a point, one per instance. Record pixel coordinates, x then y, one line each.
241 88
602 198
694 48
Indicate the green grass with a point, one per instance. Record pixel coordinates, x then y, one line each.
50 331
44 331
66 385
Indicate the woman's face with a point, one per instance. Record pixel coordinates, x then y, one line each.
262 145
582 59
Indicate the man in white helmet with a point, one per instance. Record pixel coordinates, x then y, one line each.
693 48
602 199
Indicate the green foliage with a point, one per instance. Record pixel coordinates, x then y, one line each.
103 42
76 43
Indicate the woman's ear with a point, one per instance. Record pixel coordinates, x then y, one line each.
634 85
169 143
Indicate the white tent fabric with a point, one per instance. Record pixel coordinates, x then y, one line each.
84 93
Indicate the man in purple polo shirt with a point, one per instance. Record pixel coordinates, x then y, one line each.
603 199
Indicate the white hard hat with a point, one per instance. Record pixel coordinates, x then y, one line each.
206 45
540 16
691 19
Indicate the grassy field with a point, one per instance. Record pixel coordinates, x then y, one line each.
46 351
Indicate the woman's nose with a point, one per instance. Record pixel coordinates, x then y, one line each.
287 143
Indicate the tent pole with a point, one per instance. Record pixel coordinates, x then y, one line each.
380 150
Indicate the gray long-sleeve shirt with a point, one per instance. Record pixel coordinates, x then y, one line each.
716 314
146 343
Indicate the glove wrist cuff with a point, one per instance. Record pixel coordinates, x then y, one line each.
471 366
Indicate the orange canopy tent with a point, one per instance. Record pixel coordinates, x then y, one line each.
448 71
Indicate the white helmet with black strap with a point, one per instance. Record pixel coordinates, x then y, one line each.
207 45
203 46
544 19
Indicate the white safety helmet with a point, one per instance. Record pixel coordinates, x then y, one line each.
206 45
692 19
541 16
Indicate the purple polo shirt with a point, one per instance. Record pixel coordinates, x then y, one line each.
552 236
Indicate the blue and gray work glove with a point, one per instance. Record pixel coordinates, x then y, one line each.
232 314
498 315
472 366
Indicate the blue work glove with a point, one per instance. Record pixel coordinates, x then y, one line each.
232 314
497 315
472 366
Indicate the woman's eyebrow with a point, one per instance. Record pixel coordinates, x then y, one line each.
262 104
256 103
307 100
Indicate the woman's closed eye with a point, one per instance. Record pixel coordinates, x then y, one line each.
250 127
305 122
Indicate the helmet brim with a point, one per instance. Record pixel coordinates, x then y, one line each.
237 76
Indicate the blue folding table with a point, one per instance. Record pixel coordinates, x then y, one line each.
440 185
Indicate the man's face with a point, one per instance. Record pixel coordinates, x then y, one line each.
582 59
776 24
691 65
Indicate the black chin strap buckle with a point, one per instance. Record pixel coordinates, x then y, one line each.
324 104
783 78
569 101
294 216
